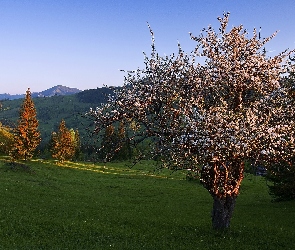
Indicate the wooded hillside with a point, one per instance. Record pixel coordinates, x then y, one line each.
51 110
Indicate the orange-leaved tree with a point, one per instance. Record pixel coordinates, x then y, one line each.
114 144
26 136
63 143
6 139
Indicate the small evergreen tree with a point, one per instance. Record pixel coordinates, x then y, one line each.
115 143
75 136
63 147
26 137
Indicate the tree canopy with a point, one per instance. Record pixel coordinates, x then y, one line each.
210 117
65 143
6 139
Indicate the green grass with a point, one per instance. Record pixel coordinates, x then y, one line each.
86 206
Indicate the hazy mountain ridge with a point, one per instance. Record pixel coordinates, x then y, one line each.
6 96
56 90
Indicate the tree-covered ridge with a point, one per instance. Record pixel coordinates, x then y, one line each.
96 96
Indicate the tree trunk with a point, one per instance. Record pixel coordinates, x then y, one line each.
222 211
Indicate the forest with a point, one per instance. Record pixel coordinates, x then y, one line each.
50 111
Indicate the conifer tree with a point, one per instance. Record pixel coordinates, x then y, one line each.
27 137
115 144
63 147
76 141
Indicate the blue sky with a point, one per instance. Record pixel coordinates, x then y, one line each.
84 44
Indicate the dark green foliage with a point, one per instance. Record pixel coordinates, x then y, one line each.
95 96
282 177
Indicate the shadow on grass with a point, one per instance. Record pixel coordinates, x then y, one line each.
18 166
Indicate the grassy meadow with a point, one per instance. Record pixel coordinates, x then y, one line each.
92 206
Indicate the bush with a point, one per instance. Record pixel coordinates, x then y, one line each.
282 177
6 139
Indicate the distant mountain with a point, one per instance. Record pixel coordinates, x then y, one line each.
56 90
10 97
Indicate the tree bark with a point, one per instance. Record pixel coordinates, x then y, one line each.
222 212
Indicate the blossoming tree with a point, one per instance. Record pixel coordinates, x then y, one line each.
209 117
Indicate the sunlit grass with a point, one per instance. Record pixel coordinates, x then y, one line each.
145 168
112 206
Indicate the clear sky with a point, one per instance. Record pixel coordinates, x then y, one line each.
84 44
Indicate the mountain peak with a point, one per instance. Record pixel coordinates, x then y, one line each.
56 90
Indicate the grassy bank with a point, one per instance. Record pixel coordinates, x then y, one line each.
86 206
